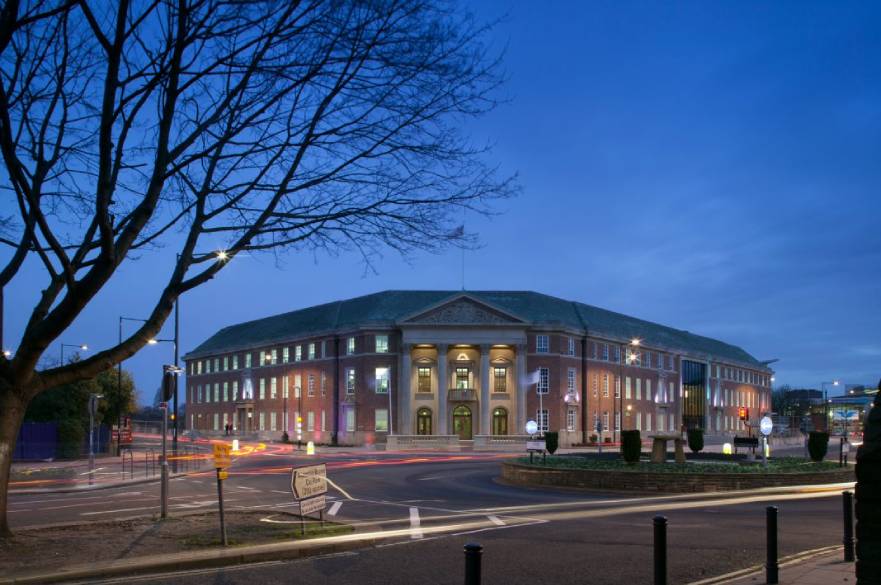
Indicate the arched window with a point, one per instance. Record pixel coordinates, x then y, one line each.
423 421
500 421
462 422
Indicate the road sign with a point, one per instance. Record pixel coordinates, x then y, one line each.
309 481
535 445
222 474
222 455
316 504
766 425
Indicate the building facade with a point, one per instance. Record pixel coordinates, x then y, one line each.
467 364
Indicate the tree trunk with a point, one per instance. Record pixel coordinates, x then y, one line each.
12 411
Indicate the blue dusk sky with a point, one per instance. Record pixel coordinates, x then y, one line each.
713 166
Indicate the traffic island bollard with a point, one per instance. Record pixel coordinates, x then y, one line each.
473 554
847 499
771 570
660 523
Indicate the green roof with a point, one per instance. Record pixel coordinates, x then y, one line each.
387 308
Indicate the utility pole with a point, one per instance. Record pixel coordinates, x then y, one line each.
176 365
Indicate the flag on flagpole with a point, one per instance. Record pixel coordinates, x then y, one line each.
533 377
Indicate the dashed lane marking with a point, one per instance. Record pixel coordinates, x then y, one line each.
495 520
334 508
415 524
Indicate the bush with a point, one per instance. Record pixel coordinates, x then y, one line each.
818 444
696 440
631 446
552 441
593 438
285 437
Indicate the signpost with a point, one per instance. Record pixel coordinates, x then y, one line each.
766 425
533 446
222 461
309 484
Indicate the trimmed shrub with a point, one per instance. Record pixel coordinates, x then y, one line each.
818 444
593 438
631 446
696 440
552 441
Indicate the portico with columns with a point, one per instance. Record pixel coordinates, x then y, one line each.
463 372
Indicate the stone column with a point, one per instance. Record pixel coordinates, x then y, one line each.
521 388
405 394
442 386
485 428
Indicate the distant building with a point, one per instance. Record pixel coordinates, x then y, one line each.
467 364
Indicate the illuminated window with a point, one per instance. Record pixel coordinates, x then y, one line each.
463 378
541 344
310 421
639 389
382 380
627 388
298 353
284 386
273 387
544 381
423 376
311 351
310 385
605 385
235 390
350 420
285 355
216 364
217 392
382 344
225 363
350 345
617 387
248 360
262 388
262 361
606 420
235 362
350 381
272 421
380 423
570 380
262 419
226 391
541 417
571 417
274 359
500 377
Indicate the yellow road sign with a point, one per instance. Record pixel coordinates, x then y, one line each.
222 474
222 455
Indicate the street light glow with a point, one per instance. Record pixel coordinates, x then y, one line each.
152 341
84 347
222 256
7 352
635 341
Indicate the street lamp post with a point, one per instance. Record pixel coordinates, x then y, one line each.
826 402
80 346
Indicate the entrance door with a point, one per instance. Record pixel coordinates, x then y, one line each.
462 422
500 421
423 421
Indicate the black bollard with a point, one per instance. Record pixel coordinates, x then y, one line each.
473 554
771 570
848 526
660 523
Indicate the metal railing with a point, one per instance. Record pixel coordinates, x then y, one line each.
131 459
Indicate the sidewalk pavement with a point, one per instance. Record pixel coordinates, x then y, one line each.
819 568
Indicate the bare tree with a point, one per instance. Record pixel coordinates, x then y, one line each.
129 125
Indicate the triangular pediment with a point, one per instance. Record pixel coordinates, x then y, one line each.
462 310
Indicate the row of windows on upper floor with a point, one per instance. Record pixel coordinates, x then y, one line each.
270 357
611 352
739 375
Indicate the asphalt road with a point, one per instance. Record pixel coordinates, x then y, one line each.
438 502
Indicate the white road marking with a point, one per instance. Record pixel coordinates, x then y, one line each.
244 487
495 520
120 510
415 524
281 492
334 508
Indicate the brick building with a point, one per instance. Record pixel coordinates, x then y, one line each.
467 365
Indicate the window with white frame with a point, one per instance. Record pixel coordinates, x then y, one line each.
285 384
627 388
235 361
570 345
298 385
648 389
216 365
605 352
262 358
272 421
226 391
638 421
617 421
225 363
248 360
541 417
382 380
596 385
310 385
544 380
323 421
605 385
311 351
500 379
323 383
463 378
310 421
617 387
571 418
423 377
285 354
570 381
235 390
262 394
350 345
350 380
274 359
350 420
639 389
273 387
616 354
380 420
298 353
381 343
541 344
262 419
596 421
606 420
648 421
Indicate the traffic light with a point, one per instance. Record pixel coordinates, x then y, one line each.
169 381
743 413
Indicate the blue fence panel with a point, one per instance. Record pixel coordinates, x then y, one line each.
36 440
